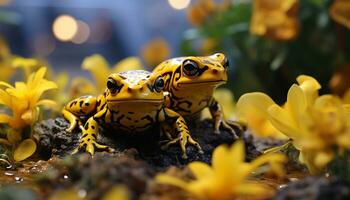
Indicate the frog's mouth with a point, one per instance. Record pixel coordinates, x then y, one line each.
116 101
218 82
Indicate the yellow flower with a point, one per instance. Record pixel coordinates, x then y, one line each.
117 192
317 125
81 86
229 176
208 46
252 110
346 97
6 70
100 69
67 194
199 11
27 64
276 19
325 126
155 52
23 99
340 12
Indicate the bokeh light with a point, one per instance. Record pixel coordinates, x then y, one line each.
82 34
65 27
4 2
179 4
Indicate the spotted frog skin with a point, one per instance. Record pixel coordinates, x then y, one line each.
132 102
191 82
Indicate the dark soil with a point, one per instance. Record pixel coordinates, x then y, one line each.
54 140
315 188
138 158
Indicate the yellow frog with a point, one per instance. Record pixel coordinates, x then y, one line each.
132 102
191 82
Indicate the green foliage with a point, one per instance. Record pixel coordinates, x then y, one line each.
262 64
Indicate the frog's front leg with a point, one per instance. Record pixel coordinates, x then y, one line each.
88 138
184 136
83 106
218 116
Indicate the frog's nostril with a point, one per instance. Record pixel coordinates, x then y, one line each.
141 88
215 71
129 89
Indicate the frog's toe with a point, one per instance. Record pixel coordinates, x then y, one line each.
196 144
241 126
75 151
70 129
90 148
168 143
216 131
183 140
227 127
104 147
174 141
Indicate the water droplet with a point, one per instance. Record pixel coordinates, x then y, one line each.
18 179
293 179
8 174
282 186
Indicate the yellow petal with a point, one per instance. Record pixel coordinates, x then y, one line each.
5 98
5 84
323 158
309 82
129 63
296 101
99 69
25 149
328 102
5 118
339 11
307 158
67 194
166 179
30 116
200 169
282 121
219 157
118 192
255 102
46 102
310 86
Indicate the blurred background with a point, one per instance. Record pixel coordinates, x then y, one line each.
268 42
115 29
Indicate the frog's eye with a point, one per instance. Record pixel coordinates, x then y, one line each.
159 84
226 63
112 85
190 67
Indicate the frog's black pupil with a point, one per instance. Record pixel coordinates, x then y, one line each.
111 84
189 67
160 83
226 64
